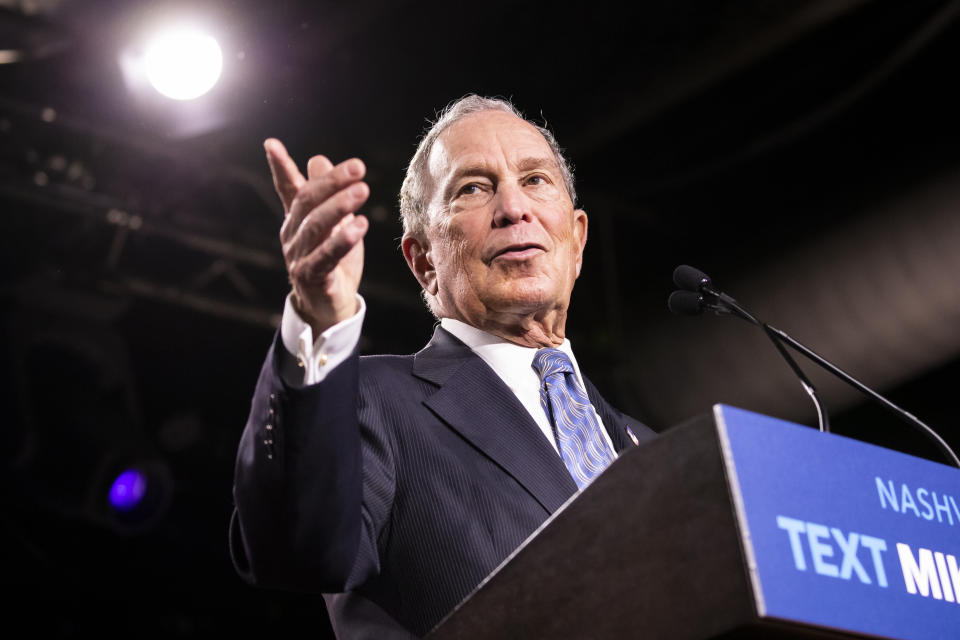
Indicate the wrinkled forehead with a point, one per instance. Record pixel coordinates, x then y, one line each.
494 139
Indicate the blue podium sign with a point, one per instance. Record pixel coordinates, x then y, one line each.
842 534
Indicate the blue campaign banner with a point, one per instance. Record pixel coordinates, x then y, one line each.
843 534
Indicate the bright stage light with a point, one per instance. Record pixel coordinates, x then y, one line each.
183 63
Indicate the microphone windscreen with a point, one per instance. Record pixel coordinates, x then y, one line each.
685 303
690 278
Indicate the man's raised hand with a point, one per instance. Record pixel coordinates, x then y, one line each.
322 238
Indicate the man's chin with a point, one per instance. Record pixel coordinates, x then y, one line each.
527 299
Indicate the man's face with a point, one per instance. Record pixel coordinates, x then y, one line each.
504 237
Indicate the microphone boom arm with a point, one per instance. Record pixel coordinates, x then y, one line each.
822 417
859 386
720 300
694 282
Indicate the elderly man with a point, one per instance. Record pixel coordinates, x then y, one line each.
395 484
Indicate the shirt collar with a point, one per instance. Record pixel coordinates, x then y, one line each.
512 362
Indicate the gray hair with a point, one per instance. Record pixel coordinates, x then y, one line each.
415 193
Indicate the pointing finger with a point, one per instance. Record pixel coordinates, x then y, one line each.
287 178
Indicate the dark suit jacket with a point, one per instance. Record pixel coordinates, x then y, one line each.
399 483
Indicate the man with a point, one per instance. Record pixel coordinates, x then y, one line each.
395 484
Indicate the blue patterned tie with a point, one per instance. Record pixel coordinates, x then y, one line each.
582 445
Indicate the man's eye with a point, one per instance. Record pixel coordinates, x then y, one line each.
469 189
536 180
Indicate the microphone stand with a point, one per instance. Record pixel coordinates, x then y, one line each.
722 303
822 419
697 284
856 384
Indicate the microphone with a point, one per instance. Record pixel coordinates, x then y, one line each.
691 303
698 294
686 303
690 278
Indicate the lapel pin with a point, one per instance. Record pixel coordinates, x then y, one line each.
633 436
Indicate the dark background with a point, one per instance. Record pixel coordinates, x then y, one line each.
805 154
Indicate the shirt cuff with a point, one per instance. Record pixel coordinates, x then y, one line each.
316 357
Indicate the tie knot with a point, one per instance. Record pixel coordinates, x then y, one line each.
549 361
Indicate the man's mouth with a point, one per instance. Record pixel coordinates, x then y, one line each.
519 251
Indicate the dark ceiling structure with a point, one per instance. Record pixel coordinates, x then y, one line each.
806 154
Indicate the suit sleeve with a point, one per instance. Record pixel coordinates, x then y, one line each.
301 521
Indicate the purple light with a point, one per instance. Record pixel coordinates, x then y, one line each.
128 489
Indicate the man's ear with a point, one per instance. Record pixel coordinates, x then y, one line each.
417 254
580 235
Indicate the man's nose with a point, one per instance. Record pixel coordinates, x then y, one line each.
511 206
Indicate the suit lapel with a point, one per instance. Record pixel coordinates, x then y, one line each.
479 406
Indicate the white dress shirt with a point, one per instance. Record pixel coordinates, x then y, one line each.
511 362
317 356
514 364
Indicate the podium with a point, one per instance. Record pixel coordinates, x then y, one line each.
737 525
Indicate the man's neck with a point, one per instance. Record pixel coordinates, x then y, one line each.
547 331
